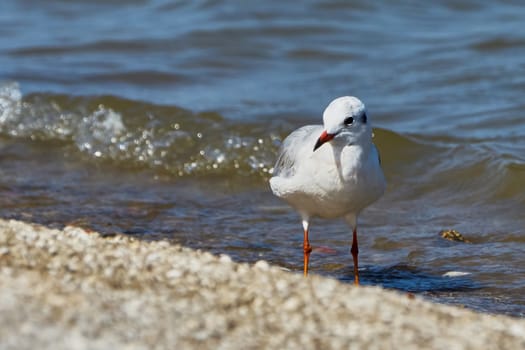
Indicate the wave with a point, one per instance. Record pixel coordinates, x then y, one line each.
183 143
136 133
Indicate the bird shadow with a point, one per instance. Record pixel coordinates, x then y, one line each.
410 279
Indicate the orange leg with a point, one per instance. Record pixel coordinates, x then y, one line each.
307 250
355 252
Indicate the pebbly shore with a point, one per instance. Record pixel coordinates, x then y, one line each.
73 289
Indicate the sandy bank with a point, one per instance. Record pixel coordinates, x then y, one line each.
76 290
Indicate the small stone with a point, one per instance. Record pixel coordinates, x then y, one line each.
172 274
291 304
455 274
225 258
262 265
453 235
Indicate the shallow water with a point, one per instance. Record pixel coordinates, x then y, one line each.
162 120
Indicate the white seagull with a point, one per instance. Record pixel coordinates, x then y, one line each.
331 170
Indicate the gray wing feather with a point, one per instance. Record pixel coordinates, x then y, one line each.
301 139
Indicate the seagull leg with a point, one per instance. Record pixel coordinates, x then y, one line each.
355 252
306 247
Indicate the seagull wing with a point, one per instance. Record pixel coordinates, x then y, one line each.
298 143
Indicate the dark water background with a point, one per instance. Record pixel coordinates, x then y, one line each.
162 119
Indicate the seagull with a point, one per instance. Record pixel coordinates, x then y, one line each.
331 170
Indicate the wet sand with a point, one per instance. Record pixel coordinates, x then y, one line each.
72 289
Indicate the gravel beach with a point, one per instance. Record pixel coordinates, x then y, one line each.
73 289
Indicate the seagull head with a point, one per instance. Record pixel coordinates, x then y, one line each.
345 119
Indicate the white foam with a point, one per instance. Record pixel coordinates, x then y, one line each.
106 123
10 101
98 130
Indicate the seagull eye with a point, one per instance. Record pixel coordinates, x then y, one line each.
349 120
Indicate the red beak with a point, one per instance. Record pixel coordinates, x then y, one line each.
325 137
